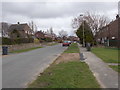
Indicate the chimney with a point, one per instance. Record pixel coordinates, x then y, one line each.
117 16
18 22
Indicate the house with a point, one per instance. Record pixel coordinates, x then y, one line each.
59 38
110 33
49 35
20 31
73 38
39 35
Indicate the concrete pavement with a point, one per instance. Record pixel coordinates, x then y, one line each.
20 69
106 77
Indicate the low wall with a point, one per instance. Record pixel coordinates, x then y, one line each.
21 46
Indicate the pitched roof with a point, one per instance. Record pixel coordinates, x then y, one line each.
17 26
39 32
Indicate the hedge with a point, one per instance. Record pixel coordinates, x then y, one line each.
47 39
113 43
9 41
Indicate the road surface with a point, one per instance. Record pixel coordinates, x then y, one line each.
20 69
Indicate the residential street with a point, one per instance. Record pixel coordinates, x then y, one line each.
19 69
60 45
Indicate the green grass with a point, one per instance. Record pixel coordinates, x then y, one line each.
25 50
109 55
73 74
66 75
115 67
73 48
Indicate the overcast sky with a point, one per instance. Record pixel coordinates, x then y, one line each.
57 15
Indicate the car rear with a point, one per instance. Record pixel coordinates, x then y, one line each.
65 43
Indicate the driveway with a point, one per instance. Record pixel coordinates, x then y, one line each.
20 69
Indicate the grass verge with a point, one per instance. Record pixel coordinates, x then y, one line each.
109 55
25 50
115 67
73 48
72 74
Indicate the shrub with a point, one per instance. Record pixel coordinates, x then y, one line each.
36 40
8 41
47 39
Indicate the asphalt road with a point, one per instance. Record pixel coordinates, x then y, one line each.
20 69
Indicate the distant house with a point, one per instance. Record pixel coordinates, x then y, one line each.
52 36
73 38
48 35
109 34
20 31
40 35
59 38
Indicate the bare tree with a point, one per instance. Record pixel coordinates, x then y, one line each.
94 20
4 27
50 31
33 27
63 33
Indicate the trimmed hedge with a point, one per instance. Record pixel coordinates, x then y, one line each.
47 39
114 43
8 41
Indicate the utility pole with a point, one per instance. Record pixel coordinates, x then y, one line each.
83 35
83 29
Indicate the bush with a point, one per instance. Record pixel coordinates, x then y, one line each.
8 41
47 39
113 43
31 40
36 40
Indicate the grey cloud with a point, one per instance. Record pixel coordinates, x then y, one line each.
51 14
53 10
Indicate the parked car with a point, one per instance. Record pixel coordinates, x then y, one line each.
69 42
65 43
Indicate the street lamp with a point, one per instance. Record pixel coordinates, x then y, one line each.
83 30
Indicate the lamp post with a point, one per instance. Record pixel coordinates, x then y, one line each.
83 30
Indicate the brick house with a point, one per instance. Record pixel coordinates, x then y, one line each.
73 38
39 35
49 35
110 33
20 31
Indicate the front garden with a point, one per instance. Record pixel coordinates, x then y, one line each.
108 55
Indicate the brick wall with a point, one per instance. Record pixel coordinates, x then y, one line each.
113 28
109 31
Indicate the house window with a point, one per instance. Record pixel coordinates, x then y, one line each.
113 37
25 31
